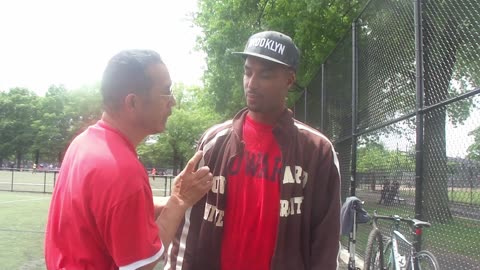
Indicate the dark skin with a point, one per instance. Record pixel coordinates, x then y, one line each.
266 86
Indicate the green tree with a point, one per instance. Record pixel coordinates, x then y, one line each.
83 108
155 152
19 108
6 134
387 60
52 126
448 43
373 157
473 151
190 118
315 25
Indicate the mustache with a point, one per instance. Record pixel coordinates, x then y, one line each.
253 93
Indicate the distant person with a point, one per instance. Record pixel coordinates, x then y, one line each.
34 168
102 214
385 190
275 202
154 172
394 192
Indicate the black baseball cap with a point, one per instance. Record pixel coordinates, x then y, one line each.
273 46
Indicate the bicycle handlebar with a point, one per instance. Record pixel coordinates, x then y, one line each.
412 221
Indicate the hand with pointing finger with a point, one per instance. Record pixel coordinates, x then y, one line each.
191 185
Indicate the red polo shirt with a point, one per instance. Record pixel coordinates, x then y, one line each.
101 214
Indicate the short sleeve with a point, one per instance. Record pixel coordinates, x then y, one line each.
130 232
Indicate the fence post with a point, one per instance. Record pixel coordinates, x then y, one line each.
165 190
11 187
353 167
305 104
45 182
322 100
419 114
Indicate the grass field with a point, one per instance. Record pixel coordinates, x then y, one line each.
43 182
465 196
27 181
23 216
22 229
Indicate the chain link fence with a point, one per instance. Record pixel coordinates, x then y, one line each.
43 181
399 97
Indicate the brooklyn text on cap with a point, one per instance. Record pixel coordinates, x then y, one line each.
273 46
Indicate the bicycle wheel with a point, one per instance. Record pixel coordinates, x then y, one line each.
427 261
388 260
374 252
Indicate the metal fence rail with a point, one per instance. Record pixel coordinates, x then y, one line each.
399 97
43 181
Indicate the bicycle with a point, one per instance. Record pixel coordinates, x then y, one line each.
389 258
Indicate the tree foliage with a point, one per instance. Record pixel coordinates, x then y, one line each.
387 82
374 157
19 108
38 129
473 151
52 125
189 119
314 25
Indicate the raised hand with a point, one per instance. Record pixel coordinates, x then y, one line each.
191 185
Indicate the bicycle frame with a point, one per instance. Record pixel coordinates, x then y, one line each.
352 241
400 262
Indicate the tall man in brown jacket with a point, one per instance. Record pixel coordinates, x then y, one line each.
275 201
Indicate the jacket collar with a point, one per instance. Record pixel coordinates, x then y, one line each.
284 128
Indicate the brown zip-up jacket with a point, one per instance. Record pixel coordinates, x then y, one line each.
309 223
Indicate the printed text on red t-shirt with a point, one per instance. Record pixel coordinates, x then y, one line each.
296 176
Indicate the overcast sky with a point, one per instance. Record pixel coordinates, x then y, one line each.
69 42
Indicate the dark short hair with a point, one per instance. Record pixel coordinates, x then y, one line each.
127 73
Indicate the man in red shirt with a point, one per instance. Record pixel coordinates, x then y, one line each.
102 214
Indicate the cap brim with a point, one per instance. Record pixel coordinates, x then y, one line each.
262 56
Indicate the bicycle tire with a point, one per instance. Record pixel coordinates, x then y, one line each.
426 261
374 252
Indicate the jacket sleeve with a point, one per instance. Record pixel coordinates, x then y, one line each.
181 254
325 242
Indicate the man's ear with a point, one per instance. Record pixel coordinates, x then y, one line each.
291 79
131 102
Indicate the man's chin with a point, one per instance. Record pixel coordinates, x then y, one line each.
158 130
253 108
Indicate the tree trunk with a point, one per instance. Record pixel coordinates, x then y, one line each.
18 157
435 179
175 160
440 48
37 156
182 162
60 157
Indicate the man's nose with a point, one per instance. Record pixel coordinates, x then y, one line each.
252 82
173 101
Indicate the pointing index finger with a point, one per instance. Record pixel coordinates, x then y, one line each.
193 162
